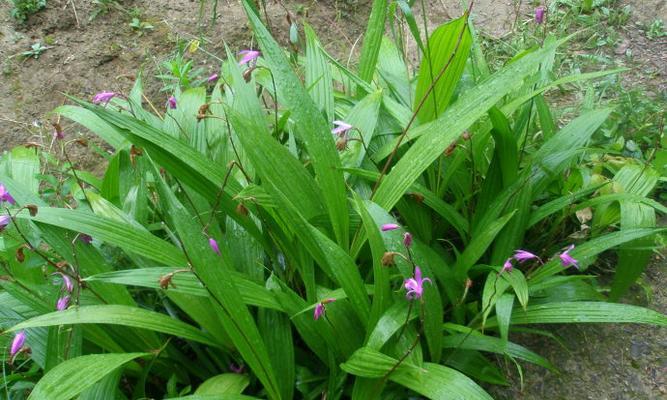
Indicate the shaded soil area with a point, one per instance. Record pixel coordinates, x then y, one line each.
85 55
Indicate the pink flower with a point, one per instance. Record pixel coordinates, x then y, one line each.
567 260
67 282
539 14
212 78
320 309
214 245
5 196
407 239
62 304
248 55
341 127
172 102
58 135
4 221
103 97
523 255
415 285
389 227
17 343
507 266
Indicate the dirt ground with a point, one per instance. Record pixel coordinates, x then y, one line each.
85 56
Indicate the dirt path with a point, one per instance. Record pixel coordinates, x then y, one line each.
86 56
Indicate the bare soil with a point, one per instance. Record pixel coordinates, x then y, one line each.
85 56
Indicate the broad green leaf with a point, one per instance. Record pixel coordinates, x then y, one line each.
364 118
554 156
309 126
95 124
223 384
504 313
73 376
372 40
180 159
187 283
318 75
439 134
213 271
445 58
433 381
593 247
333 260
638 180
476 341
119 315
276 330
128 238
382 296
476 366
478 245
584 312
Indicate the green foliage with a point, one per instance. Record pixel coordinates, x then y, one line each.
240 250
24 8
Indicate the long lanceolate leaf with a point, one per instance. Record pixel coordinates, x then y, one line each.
186 283
125 236
439 134
181 160
447 48
119 315
372 40
431 380
585 252
310 126
73 376
214 274
584 312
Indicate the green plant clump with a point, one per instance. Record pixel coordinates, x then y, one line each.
294 228
24 8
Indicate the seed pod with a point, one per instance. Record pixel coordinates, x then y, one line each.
247 74
165 281
32 209
341 144
241 209
20 257
418 197
388 258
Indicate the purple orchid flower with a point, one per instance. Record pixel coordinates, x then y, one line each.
341 128
212 78
567 260
507 266
320 309
5 196
103 97
17 343
62 304
415 285
4 221
539 14
389 227
172 102
248 56
58 135
407 239
67 282
523 255
214 245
